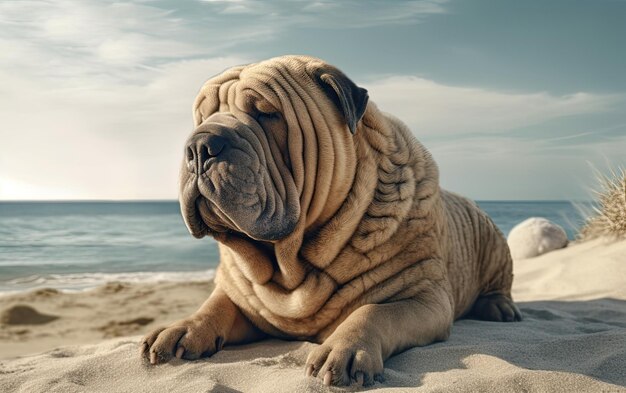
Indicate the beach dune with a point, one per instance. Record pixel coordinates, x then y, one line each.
572 339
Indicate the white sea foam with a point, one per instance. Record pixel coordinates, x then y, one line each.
76 282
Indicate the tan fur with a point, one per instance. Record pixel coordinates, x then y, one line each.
380 259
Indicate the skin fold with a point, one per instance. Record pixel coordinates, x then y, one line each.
331 226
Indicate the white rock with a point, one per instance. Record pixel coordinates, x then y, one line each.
535 236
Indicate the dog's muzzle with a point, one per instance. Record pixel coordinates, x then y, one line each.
201 148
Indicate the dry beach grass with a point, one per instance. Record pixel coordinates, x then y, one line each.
610 214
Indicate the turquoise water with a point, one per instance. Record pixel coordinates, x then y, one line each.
77 245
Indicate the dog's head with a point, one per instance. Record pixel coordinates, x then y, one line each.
268 136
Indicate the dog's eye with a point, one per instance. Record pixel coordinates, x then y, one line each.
268 116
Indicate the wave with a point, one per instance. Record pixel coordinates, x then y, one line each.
76 282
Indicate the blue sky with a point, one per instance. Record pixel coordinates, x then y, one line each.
515 99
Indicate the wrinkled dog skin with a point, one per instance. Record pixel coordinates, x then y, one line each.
331 226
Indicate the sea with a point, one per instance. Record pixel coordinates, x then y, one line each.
74 246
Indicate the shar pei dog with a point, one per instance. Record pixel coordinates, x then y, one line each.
331 226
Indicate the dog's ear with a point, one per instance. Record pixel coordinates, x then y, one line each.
349 98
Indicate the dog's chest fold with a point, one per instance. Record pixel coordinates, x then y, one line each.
368 252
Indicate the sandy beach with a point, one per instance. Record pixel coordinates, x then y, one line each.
572 339
113 310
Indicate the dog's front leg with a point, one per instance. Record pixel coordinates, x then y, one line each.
357 348
218 321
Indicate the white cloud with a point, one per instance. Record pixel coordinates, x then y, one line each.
505 168
74 42
66 38
434 109
468 130
116 141
85 33
330 14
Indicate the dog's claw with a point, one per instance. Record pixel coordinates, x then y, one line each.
328 377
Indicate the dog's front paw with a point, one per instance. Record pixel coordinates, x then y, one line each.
188 339
341 362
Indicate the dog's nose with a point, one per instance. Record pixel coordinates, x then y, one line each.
201 147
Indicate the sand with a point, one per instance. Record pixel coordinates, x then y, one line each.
44 319
573 339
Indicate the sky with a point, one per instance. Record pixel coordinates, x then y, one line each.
517 100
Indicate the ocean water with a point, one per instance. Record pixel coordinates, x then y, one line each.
507 214
79 245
